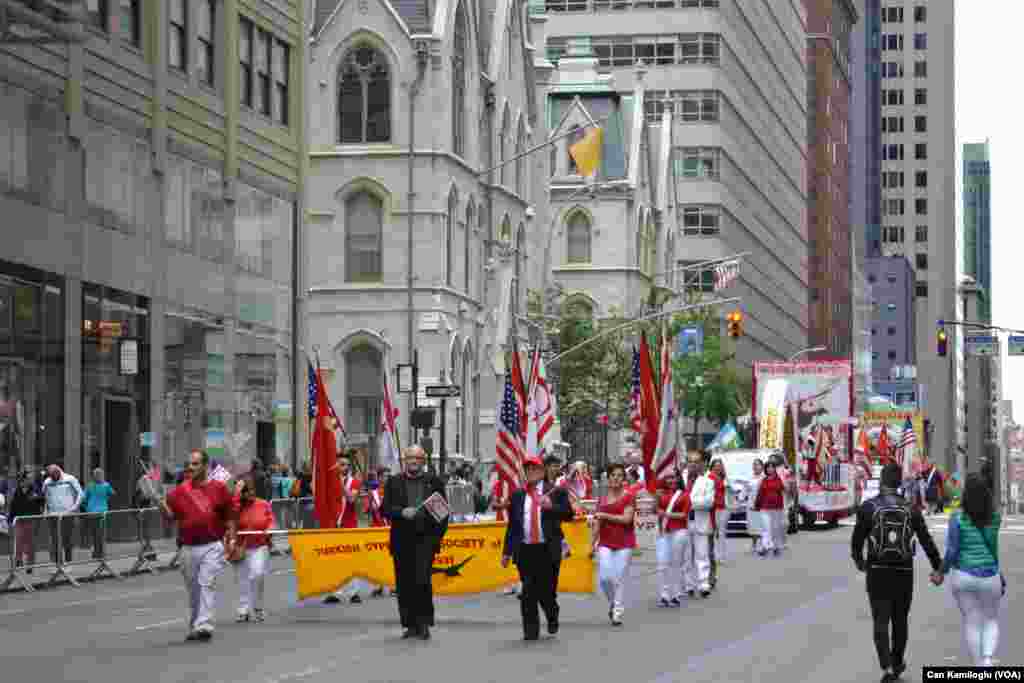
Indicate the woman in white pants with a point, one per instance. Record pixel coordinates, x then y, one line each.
251 555
721 511
614 541
770 504
673 543
972 555
755 527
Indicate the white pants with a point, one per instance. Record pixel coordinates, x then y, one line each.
774 535
251 574
701 568
978 599
612 569
201 565
722 524
671 551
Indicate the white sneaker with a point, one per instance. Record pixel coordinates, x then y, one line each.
259 616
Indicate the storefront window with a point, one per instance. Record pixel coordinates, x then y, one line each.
31 368
115 385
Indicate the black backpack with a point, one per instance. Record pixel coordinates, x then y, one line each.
892 538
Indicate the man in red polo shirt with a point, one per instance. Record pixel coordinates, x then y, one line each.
205 512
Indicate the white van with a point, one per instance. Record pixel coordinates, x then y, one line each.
739 471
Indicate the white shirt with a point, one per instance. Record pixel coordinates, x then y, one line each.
528 512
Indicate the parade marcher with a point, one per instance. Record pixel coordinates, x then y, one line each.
205 512
934 488
720 546
755 528
251 553
770 506
972 554
702 522
614 540
888 523
533 540
673 543
415 538
349 519
62 495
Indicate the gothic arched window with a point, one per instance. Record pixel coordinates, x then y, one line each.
364 228
470 221
459 83
520 161
364 97
503 146
449 237
364 382
578 234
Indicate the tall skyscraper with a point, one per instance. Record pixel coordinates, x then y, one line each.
830 303
977 238
918 187
866 130
734 75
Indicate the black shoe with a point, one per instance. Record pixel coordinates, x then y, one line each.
424 633
888 677
553 626
532 633
675 602
705 594
356 600
191 637
898 669
204 636
692 594
409 633
332 600
29 570
377 593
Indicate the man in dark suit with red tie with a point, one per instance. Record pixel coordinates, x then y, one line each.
533 540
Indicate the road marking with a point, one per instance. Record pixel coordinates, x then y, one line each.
79 603
159 624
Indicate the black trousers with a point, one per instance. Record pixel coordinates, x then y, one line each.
890 592
413 562
538 569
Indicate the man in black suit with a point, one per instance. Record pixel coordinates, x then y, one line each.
415 538
533 540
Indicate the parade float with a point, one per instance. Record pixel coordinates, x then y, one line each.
805 409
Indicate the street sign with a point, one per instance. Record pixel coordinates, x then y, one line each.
444 391
1015 346
690 340
985 345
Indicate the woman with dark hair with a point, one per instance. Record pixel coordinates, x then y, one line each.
614 540
769 503
250 553
972 554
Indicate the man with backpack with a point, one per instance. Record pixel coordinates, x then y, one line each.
889 525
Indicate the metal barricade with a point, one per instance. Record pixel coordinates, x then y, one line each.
156 535
31 534
83 541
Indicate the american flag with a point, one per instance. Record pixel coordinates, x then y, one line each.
636 408
905 449
315 386
509 444
726 273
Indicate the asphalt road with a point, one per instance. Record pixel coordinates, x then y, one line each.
802 617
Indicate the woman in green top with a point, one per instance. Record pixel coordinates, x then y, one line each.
972 553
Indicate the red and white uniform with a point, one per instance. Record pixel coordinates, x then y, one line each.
349 518
614 552
702 527
770 502
673 550
373 500
251 572
721 516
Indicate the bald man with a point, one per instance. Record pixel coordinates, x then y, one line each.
415 539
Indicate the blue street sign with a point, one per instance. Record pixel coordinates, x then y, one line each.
982 345
1015 346
690 340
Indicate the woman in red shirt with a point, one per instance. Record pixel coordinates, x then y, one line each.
251 552
721 510
614 540
673 540
770 503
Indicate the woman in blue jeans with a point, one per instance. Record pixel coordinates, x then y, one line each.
972 555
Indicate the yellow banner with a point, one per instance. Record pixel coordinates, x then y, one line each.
469 561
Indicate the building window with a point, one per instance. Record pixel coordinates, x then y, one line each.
131 22
505 234
245 34
98 14
281 69
364 97
921 179
921 261
521 161
892 124
261 54
459 83
204 35
893 207
921 151
892 331
449 237
892 179
921 234
920 96
579 238
698 162
364 380
894 97
177 38
921 124
892 234
921 207
892 70
700 220
920 14
892 355
364 214
697 279
892 152
506 121
921 289
466 241
696 105
920 41
698 48
920 69
892 15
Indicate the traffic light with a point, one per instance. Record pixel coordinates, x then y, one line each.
942 342
735 324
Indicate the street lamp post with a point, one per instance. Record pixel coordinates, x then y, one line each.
813 349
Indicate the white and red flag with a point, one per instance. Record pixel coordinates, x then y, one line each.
649 411
390 446
540 410
665 451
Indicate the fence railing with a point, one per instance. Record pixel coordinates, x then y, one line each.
86 546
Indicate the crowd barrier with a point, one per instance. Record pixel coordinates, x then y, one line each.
88 546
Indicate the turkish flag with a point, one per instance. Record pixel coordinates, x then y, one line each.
326 479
